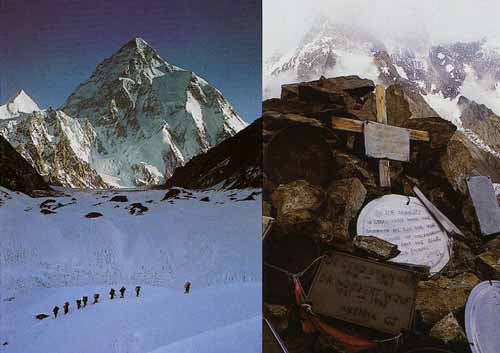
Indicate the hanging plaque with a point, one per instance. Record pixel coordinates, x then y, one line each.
485 203
387 142
372 294
405 221
482 318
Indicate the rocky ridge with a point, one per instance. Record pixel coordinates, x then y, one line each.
235 163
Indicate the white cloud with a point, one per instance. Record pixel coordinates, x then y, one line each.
286 21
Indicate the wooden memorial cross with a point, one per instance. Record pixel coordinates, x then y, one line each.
382 141
384 169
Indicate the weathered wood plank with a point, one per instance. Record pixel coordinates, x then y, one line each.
345 124
381 104
358 291
444 221
384 166
485 203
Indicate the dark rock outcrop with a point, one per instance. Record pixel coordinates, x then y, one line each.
235 163
119 198
17 174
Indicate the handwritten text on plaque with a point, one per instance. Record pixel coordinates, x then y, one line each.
405 221
364 292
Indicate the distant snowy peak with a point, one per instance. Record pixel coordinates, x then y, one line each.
332 49
132 123
149 116
441 73
320 50
20 103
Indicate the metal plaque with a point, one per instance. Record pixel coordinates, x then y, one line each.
485 203
372 294
438 215
271 341
406 222
387 142
482 319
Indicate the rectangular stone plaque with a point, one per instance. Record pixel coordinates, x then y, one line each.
485 203
387 142
376 295
271 341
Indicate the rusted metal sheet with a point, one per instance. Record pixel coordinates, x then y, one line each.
271 341
406 222
376 295
485 203
388 142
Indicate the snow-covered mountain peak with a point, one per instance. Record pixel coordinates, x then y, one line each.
19 103
134 121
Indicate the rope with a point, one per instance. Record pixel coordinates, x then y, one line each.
298 274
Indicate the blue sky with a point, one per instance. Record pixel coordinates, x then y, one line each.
48 47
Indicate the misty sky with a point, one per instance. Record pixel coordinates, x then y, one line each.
286 21
48 47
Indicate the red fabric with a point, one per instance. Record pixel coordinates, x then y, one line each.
311 323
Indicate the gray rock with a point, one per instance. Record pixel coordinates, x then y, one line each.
296 204
439 296
344 199
448 331
376 247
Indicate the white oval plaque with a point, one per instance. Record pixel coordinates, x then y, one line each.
482 319
405 221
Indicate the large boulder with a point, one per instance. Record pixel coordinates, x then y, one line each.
448 331
296 204
440 130
300 153
344 199
438 297
489 263
463 159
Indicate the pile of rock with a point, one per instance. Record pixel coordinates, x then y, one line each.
317 179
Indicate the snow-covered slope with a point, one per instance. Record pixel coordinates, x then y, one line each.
131 123
20 103
47 259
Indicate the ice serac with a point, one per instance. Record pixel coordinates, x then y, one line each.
148 116
15 106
